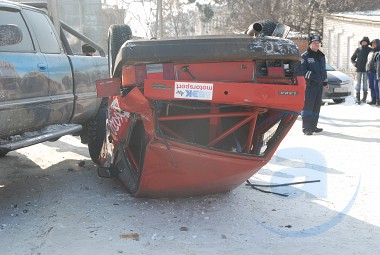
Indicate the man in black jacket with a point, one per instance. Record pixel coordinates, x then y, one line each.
313 66
359 60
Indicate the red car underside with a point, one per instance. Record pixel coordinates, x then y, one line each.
182 130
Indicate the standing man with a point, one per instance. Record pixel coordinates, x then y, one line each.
359 60
313 66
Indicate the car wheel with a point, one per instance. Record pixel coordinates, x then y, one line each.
3 153
117 35
97 133
338 101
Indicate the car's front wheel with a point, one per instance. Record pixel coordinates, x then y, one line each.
338 101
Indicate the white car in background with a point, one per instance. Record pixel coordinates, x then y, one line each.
340 85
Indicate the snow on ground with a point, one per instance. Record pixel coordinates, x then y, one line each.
51 205
344 157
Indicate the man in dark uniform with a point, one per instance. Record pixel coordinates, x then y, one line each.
313 66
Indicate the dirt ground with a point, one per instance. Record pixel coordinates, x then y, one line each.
53 202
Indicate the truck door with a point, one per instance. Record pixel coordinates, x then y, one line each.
86 71
58 67
24 93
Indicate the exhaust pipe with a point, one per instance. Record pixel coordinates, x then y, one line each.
268 28
254 29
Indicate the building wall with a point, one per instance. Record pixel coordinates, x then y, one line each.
341 37
301 42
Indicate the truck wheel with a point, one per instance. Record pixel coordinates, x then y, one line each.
117 35
97 133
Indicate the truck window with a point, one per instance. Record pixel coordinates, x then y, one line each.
44 32
26 45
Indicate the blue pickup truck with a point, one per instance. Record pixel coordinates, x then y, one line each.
47 90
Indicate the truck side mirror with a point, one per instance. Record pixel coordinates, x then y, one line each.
10 34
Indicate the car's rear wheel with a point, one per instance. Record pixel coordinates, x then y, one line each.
117 35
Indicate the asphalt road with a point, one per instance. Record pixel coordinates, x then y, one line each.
53 202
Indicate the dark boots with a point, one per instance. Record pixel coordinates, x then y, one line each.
358 97
377 103
364 100
372 102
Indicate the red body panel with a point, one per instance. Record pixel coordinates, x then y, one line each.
193 171
240 71
285 97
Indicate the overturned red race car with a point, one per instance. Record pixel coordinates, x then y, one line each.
196 115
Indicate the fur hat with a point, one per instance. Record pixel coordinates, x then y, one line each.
376 41
365 39
314 38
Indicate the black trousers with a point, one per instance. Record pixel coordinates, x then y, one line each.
312 106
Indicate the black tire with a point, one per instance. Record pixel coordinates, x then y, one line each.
3 153
338 101
117 35
97 133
